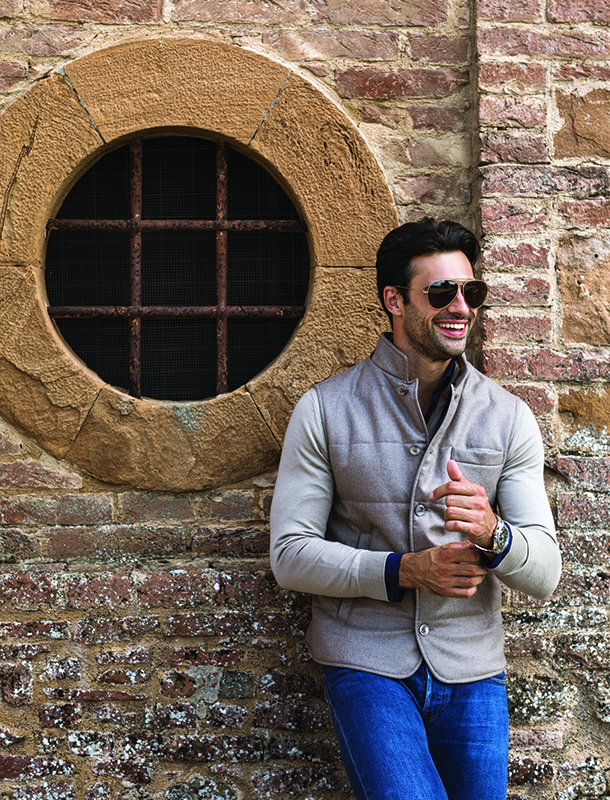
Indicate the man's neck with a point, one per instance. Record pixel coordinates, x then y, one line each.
428 373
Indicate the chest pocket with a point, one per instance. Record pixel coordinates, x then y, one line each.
480 466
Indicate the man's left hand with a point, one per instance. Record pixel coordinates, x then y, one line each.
468 510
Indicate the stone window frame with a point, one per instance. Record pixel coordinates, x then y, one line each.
62 125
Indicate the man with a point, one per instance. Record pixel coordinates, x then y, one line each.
410 488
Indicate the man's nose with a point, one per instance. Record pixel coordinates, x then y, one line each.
458 305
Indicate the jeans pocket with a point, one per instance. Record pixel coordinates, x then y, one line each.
499 679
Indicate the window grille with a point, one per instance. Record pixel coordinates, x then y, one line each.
177 267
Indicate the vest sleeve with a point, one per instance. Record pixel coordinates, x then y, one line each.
533 563
301 558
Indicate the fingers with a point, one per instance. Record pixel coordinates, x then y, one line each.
454 471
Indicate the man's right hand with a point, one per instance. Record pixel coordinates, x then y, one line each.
451 570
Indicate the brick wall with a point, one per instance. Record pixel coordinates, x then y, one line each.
145 650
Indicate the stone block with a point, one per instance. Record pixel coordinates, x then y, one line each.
518 290
11 8
523 254
514 217
308 45
509 76
438 118
293 12
596 11
510 10
572 43
43 40
510 112
109 13
513 147
432 189
580 182
577 72
439 49
545 364
585 213
383 12
517 328
586 124
379 84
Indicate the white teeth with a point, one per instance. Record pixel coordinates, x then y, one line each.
456 327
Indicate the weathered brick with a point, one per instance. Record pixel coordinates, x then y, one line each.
139 745
293 12
509 10
572 43
240 588
380 84
320 45
575 72
109 630
10 73
124 677
234 504
21 652
389 117
26 630
26 590
430 152
432 189
520 329
526 771
118 11
523 254
589 548
115 715
232 541
588 510
439 49
16 684
216 748
149 507
518 290
178 684
539 399
67 509
227 715
7 738
198 656
513 147
585 213
302 748
297 686
133 655
273 624
16 474
177 588
11 8
380 12
589 473
288 717
67 715
591 650
92 695
438 118
42 40
97 791
545 364
513 217
236 685
112 591
46 791
172 715
111 543
24 768
280 781
508 75
19 545
535 740
525 645
123 770
512 112
65 669
90 743
584 129
538 696
579 11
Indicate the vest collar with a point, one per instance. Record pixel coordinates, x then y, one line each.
390 359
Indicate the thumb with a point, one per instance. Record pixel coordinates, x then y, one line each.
454 472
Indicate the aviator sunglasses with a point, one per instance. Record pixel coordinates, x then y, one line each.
442 293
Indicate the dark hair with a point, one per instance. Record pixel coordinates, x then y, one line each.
413 239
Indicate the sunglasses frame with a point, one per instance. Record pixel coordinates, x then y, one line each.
459 284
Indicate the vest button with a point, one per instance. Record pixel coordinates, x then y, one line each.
415 450
402 390
419 510
424 630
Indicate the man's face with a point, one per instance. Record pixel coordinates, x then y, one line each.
437 335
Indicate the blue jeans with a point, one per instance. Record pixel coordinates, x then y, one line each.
418 738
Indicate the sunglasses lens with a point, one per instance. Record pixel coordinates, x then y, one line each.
442 293
475 293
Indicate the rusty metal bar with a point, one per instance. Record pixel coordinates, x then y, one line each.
157 225
222 282
135 268
210 312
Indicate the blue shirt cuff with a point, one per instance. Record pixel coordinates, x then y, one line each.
484 560
392 585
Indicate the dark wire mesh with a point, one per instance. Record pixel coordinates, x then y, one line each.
179 356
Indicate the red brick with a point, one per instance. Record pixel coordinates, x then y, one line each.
45 40
25 630
519 329
216 748
178 588
148 507
522 254
123 677
66 669
117 11
90 743
301 748
123 770
585 213
67 715
134 655
522 290
109 630
438 118
379 84
115 715
510 147
15 474
511 112
545 364
198 656
509 10
575 72
508 75
582 509
19 652
424 153
172 715
379 12
273 624
544 180
591 650
230 541
513 218
92 695
591 548
227 715
11 8
19 545
178 684
67 509
526 771
389 117
432 189
572 11
572 43
234 504
288 717
590 473
293 685
16 684
293 12
137 745
10 73
109 543
439 49
111 591
317 45
26 590
540 400
232 588
24 768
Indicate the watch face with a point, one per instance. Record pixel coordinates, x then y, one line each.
503 537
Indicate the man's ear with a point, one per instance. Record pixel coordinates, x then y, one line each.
393 300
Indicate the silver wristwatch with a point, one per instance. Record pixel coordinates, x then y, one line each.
501 538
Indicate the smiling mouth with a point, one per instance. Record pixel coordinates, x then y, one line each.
453 327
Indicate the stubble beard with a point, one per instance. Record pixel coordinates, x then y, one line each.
426 339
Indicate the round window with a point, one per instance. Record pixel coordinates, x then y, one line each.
177 268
